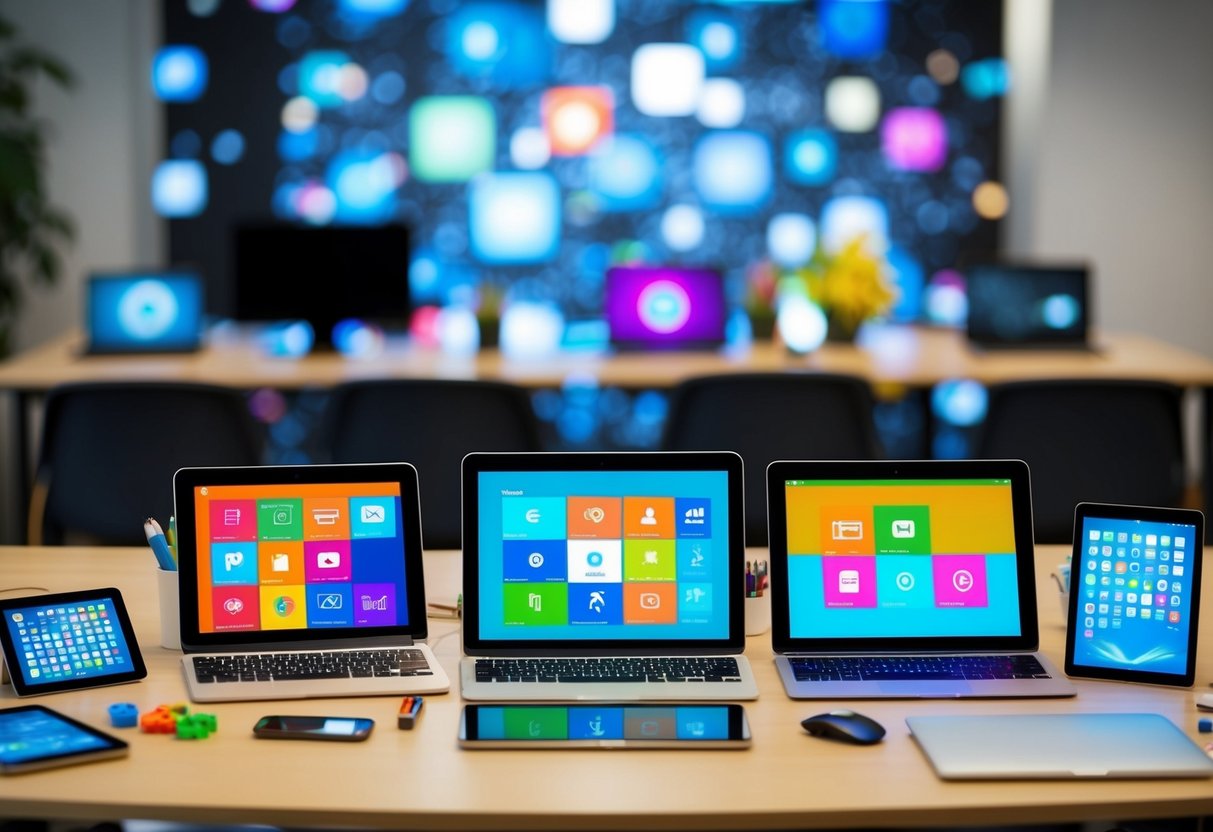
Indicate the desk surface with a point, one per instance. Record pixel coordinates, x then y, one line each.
915 356
420 779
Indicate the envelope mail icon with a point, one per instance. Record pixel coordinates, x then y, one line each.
847 529
903 528
373 514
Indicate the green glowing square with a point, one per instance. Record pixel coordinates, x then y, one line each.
451 138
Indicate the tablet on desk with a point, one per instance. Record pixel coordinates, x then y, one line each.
1135 593
33 737
68 641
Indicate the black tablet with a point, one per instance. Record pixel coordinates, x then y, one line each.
69 641
1134 594
33 737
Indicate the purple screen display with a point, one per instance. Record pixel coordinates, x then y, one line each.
664 307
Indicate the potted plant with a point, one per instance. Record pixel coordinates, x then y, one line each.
30 227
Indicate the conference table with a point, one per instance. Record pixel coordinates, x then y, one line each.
420 779
890 357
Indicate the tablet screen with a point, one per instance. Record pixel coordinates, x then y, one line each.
1135 593
67 641
35 737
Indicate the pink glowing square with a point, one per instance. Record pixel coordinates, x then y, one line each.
914 138
849 581
960 581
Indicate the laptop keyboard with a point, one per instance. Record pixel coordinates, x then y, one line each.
598 670
329 664
910 668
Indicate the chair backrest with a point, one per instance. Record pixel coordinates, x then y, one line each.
433 424
109 451
1096 441
769 416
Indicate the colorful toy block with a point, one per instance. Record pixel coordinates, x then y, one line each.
123 715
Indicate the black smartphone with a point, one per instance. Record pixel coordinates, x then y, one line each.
338 728
604 726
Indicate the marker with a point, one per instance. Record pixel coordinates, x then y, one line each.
410 709
155 539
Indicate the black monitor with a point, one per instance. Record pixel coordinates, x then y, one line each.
321 275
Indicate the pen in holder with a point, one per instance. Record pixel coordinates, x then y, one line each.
757 598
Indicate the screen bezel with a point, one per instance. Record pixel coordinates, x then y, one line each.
739 728
1148 514
1021 507
114 747
726 461
181 276
402 473
16 672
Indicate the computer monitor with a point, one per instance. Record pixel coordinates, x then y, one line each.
664 307
321 275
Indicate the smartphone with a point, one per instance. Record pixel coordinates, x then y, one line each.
33 738
604 726
338 728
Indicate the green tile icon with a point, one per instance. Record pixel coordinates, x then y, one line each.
902 530
280 519
451 138
532 604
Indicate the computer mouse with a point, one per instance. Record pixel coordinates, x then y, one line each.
847 726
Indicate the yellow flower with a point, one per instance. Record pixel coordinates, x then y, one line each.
849 286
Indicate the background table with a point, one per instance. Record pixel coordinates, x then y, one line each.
889 357
420 780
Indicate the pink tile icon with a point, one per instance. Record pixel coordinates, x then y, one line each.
960 581
849 581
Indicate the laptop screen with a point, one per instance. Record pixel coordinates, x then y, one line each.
871 557
1027 305
144 312
297 557
634 554
664 307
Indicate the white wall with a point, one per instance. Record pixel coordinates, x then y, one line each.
1123 168
101 151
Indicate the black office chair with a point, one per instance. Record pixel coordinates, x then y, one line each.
1097 441
432 424
109 451
769 416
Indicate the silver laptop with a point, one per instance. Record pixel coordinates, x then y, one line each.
604 576
302 581
1057 746
905 579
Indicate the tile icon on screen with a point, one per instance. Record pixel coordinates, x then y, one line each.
848 582
903 528
847 529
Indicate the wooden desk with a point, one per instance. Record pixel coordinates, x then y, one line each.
420 780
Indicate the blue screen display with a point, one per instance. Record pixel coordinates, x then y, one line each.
27 735
1134 595
145 312
64 642
604 555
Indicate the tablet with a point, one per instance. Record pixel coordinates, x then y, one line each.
68 641
1135 594
630 725
33 737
